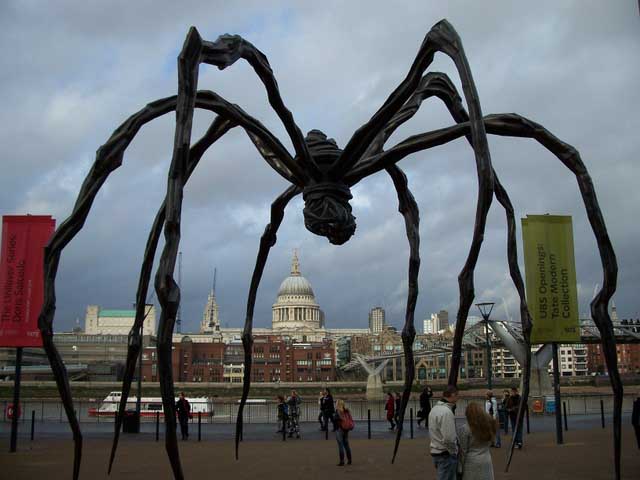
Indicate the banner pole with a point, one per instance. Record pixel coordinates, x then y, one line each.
556 391
16 400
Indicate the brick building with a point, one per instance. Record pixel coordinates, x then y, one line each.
274 359
628 358
192 362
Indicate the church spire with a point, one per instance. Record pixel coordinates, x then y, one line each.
295 264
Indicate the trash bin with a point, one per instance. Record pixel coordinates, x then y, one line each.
549 404
131 422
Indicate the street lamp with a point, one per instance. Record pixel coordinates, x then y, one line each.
485 310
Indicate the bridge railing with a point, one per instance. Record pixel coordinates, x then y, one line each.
226 411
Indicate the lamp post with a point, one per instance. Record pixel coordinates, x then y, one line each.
485 310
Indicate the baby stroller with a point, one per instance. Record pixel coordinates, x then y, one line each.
293 425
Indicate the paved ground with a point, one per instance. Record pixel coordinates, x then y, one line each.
586 454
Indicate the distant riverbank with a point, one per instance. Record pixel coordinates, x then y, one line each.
352 390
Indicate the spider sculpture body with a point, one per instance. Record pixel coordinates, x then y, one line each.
323 174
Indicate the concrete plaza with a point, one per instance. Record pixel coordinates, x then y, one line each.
586 454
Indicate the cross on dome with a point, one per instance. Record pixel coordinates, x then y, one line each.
295 264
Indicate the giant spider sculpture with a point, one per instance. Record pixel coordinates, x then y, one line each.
324 174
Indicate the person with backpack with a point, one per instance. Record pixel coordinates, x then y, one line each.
344 424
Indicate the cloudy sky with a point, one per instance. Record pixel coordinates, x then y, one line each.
72 71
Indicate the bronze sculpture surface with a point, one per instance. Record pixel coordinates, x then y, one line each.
324 174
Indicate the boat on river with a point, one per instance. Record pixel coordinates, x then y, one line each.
149 406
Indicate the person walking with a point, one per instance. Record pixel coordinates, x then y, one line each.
344 424
283 416
389 406
328 410
398 407
184 412
444 440
491 407
425 406
320 410
475 438
504 419
513 403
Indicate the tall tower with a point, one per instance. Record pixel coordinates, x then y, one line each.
210 320
376 319
443 320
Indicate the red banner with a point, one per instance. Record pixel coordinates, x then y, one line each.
22 278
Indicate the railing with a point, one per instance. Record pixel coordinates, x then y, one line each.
225 412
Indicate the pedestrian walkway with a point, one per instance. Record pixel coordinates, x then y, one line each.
587 454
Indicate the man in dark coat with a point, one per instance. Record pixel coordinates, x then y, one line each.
184 411
425 406
513 403
328 410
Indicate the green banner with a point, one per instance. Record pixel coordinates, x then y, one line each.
552 294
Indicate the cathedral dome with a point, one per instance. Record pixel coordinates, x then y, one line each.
296 306
295 284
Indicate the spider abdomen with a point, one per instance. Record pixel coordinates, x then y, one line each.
327 211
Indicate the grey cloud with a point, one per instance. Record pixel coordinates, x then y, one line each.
71 73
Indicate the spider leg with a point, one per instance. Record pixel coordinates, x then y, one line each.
517 126
442 37
219 127
409 210
440 85
267 241
167 290
432 84
224 52
109 157
55 360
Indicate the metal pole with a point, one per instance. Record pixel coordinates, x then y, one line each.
602 412
284 428
489 360
556 391
199 426
526 412
139 399
157 426
564 412
369 423
33 421
16 400
411 421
